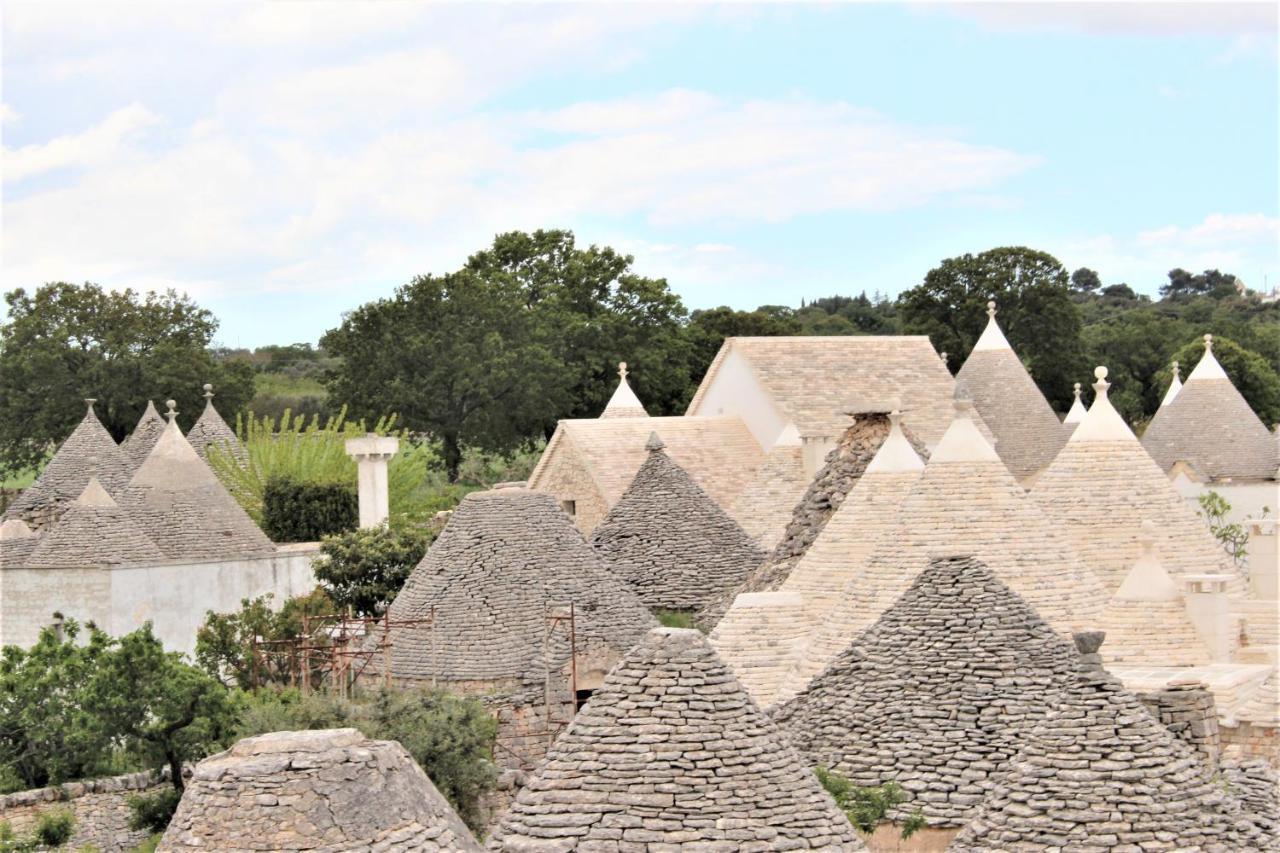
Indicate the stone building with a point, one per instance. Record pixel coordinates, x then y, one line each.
1100 773
211 430
137 445
1028 433
670 753
94 531
326 791
937 695
670 541
490 593
765 505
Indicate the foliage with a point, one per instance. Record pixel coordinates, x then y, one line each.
1233 537
54 828
1254 378
224 643
1136 346
674 618
152 812
1210 283
1085 280
708 328
64 342
867 807
307 512
364 569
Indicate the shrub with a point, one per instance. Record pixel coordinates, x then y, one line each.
867 807
294 511
152 812
53 829
224 643
364 569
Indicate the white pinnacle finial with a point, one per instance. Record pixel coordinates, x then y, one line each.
89 401
1177 372
1103 422
622 370
208 391
1076 390
896 455
172 412
991 338
1147 537
991 309
1100 373
1208 343
944 356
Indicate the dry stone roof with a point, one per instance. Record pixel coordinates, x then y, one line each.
1210 426
670 753
137 445
670 541
1028 433
1100 773
210 429
624 403
759 638
1254 783
1103 486
17 541
183 507
937 694
766 505
1263 707
504 556
89 451
811 379
94 531
326 791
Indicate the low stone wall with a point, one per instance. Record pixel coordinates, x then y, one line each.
1253 741
100 806
1187 709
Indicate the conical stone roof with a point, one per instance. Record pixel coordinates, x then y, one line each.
89 451
137 445
1103 486
211 430
937 694
670 753
1211 426
670 541
624 403
505 556
765 506
183 507
1255 784
1028 433
17 541
1100 773
325 791
94 531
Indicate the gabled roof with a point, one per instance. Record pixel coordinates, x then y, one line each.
17 541
211 429
325 791
718 452
1210 425
1028 433
1103 486
505 556
180 503
624 403
954 675
765 506
89 451
671 753
137 444
670 541
1097 749
94 531
811 379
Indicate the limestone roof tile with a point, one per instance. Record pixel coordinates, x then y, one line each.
210 429
137 445
1263 706
94 531
670 541
624 403
671 753
17 541
937 694
765 506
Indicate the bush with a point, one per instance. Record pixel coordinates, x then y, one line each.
224 643
152 812
294 511
867 807
54 829
364 569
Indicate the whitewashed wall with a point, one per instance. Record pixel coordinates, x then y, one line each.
735 391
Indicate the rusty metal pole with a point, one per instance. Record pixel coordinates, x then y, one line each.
573 661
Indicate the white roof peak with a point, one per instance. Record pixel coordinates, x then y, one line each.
1175 385
1077 411
896 455
15 528
1208 366
992 338
963 441
789 437
1102 422
94 495
624 403
1148 580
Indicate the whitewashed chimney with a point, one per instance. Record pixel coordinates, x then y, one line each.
372 454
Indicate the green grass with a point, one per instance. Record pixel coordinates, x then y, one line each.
674 618
20 480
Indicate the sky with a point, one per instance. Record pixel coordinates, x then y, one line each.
283 163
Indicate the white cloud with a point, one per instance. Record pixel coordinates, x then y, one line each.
1120 18
101 143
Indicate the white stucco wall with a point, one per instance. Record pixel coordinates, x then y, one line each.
1248 503
735 391
174 597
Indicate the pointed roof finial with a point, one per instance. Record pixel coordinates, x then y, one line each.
208 391
654 443
1208 343
1177 371
89 401
944 356
1076 390
622 370
172 407
1101 386
991 309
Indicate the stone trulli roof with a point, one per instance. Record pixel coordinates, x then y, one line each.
180 503
759 638
1255 784
937 694
89 451
325 791
765 506
822 572
504 556
1263 707
1028 433
1100 773
137 445
624 403
94 531
210 429
1103 486
811 379
1175 385
844 464
1146 620
17 541
670 541
966 501
1210 426
670 753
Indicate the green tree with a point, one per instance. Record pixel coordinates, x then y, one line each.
1037 313
1137 347
364 569
708 328
1085 280
1256 380
224 643
65 342
1210 283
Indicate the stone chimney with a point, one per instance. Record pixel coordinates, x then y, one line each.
1208 608
814 450
371 454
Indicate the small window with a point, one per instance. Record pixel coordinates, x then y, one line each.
570 507
580 698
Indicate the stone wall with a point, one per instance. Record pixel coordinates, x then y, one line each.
100 806
1187 709
567 478
1251 740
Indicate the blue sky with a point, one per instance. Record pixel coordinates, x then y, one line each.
286 162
